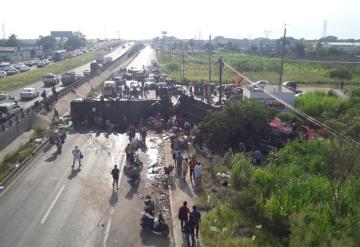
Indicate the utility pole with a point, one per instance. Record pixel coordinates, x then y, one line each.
183 65
209 52
221 65
282 58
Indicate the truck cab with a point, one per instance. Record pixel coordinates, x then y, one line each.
109 89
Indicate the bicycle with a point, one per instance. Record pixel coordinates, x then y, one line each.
169 178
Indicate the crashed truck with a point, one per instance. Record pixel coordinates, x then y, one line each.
117 113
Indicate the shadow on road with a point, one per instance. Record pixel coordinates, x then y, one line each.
114 198
73 173
184 186
153 239
133 190
52 157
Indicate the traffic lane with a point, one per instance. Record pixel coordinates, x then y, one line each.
40 85
26 202
124 228
143 59
51 205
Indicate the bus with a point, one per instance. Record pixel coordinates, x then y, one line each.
59 55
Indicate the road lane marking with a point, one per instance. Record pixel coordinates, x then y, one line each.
107 231
52 204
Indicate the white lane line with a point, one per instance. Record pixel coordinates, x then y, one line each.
107 231
52 204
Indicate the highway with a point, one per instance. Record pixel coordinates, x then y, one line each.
143 59
50 204
40 85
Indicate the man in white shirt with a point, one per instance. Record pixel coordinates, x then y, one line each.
77 156
197 174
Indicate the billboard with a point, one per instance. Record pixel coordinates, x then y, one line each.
61 34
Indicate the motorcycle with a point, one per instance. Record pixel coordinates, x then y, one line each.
133 170
153 224
149 206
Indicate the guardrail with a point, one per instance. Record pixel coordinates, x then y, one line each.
40 104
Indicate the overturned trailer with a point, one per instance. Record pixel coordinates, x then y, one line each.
190 109
118 113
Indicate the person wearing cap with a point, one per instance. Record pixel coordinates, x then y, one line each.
115 174
77 156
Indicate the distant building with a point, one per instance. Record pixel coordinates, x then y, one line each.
14 55
345 46
256 94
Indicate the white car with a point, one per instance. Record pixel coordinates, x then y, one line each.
2 73
86 72
21 67
29 93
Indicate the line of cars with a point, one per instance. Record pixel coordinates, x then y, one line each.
7 69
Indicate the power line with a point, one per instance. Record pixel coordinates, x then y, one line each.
303 114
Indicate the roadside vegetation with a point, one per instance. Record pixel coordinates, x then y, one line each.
256 68
306 193
10 161
22 79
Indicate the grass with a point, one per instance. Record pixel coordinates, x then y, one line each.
25 78
256 68
8 164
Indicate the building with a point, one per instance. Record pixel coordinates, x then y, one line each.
14 55
256 94
345 46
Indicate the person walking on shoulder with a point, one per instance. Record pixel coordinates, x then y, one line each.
185 165
196 215
115 174
189 231
77 156
183 214
197 174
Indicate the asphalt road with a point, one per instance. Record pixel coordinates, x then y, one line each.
51 205
143 59
40 85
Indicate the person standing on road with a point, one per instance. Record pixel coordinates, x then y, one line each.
192 164
77 156
179 160
56 114
53 89
183 214
115 174
196 215
43 95
197 174
189 231
185 165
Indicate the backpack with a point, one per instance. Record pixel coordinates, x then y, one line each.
174 155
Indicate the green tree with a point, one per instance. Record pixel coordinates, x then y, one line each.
298 49
237 122
78 40
13 41
341 75
47 43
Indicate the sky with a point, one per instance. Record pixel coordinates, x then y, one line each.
144 19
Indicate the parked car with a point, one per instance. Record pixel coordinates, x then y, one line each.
2 73
291 85
45 61
5 97
10 70
21 67
9 109
29 93
40 64
29 63
4 65
50 79
86 72
79 75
